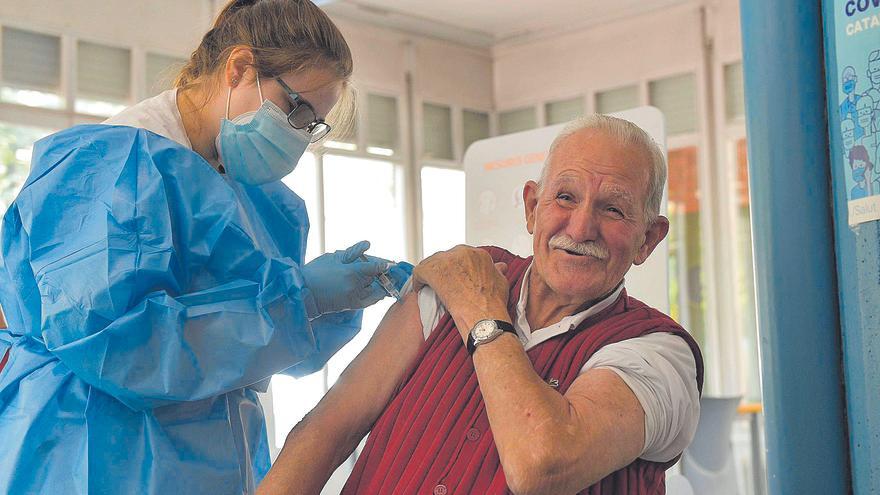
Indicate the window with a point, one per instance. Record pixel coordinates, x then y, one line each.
518 120
618 99
103 78
363 200
383 135
437 132
292 399
16 147
31 69
343 135
745 277
160 72
734 98
685 257
443 203
562 111
475 126
676 97
304 182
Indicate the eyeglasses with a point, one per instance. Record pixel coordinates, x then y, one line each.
302 115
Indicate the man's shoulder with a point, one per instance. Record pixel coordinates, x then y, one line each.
638 310
650 320
631 318
499 254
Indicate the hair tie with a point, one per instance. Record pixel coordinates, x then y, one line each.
240 4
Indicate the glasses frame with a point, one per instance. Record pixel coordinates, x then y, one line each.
297 101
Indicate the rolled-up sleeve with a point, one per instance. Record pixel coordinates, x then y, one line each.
660 370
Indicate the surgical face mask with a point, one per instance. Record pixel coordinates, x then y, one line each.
849 86
259 146
859 174
874 72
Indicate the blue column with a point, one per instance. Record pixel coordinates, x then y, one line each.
858 269
789 178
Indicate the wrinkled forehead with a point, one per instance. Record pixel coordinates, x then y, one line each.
598 152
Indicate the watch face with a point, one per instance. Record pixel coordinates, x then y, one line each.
484 329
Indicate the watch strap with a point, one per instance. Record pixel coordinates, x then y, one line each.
501 324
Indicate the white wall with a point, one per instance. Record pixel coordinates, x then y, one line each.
598 58
442 71
727 30
170 27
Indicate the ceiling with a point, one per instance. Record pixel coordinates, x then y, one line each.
485 23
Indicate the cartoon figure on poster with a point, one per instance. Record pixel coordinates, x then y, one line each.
859 126
862 168
850 99
865 119
873 74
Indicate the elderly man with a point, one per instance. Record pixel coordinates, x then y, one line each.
505 374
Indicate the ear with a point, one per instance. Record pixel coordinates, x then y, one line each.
653 236
530 203
240 60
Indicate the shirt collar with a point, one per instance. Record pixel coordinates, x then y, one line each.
565 324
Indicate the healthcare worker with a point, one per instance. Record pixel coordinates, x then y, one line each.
152 271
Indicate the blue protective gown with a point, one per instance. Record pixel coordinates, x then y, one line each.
148 299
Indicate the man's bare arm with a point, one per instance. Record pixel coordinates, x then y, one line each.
332 430
550 443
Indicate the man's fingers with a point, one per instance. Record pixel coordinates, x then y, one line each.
418 280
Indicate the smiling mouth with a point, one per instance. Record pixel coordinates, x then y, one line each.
573 253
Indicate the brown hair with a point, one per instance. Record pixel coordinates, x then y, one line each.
858 152
285 36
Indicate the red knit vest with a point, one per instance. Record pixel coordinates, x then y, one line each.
434 436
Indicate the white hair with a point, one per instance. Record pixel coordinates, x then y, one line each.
627 134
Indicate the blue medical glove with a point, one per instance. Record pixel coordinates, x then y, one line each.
340 281
400 273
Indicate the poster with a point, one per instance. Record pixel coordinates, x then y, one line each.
857 38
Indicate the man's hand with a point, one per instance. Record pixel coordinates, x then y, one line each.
468 283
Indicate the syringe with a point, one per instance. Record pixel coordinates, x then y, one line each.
385 282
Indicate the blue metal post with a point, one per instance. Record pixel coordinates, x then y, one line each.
789 175
858 270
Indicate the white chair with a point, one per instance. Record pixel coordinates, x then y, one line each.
708 462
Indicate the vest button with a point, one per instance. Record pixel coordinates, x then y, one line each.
473 434
440 490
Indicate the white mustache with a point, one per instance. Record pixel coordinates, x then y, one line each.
589 248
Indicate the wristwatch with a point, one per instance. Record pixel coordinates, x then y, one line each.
486 331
